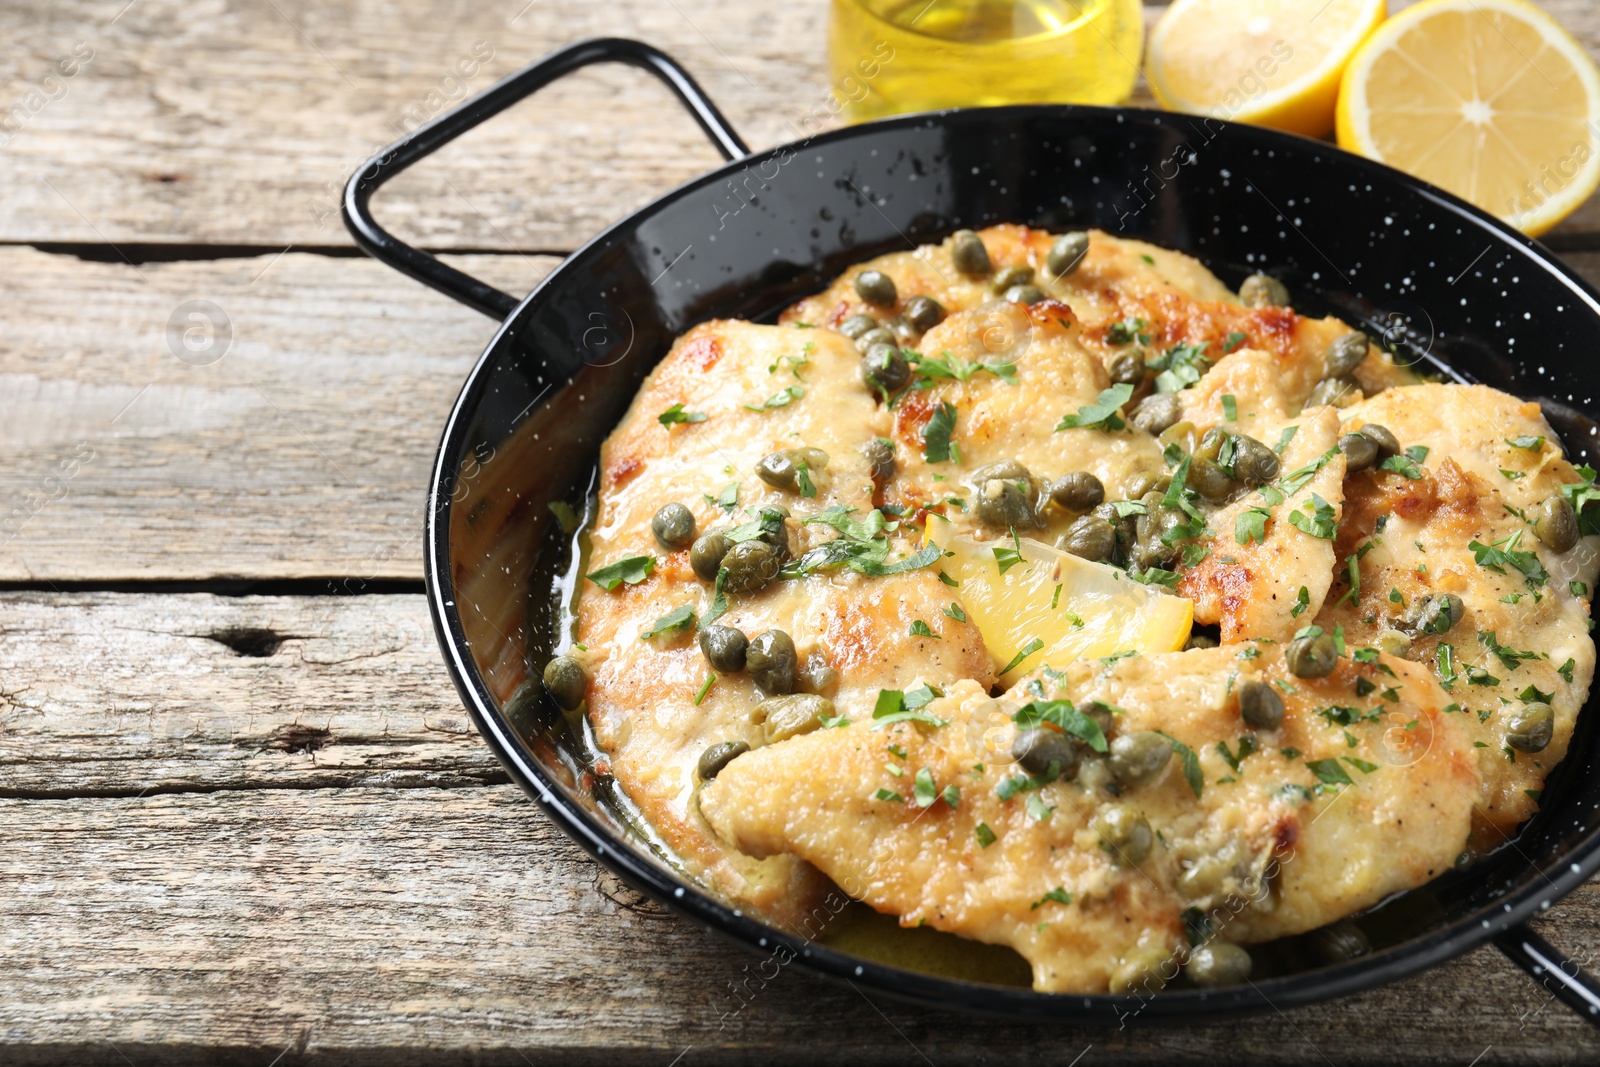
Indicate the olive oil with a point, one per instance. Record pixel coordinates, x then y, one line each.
892 56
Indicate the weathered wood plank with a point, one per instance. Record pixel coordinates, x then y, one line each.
173 133
418 926
399 926
120 694
303 451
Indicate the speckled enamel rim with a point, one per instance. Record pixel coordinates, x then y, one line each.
1501 922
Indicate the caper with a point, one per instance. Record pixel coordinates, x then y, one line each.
1340 392
1101 714
1254 463
1345 354
1388 444
1010 276
724 648
1142 483
885 370
1141 971
1556 523
904 332
856 325
1217 963
1003 503
878 335
1138 757
1312 656
876 287
968 254
750 565
771 661
1436 613
673 526
707 554
1042 750
1208 876
1089 537
1210 445
1127 368
783 717
1156 412
1340 941
1207 478
1530 727
1360 451
1024 294
566 681
879 455
1183 435
1078 491
1124 833
781 469
924 313
718 756
1067 252
814 674
1150 548
1199 640
1395 643
1260 705
1263 291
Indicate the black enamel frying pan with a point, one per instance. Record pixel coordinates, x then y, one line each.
1436 279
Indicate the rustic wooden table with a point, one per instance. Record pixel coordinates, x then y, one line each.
243 817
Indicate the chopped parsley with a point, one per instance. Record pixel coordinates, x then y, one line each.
1057 895
1509 656
1580 495
1329 773
781 399
705 687
630 570
1022 653
1302 601
955 611
1235 339
920 629
936 446
1063 716
984 835
676 414
1179 367
1314 517
952 366
1407 462
1504 553
1104 414
1006 558
1284 438
1526 442
923 791
1127 331
1230 407
895 706
1251 525
1190 763
889 795
678 619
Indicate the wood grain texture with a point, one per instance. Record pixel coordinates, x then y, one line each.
298 905
458 926
303 452
173 133
120 694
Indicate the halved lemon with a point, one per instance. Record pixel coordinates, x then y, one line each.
1490 99
1055 604
1271 62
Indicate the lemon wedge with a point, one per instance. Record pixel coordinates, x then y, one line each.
1490 99
1271 62
1048 606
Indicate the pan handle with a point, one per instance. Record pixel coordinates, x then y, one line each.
387 248
1560 976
